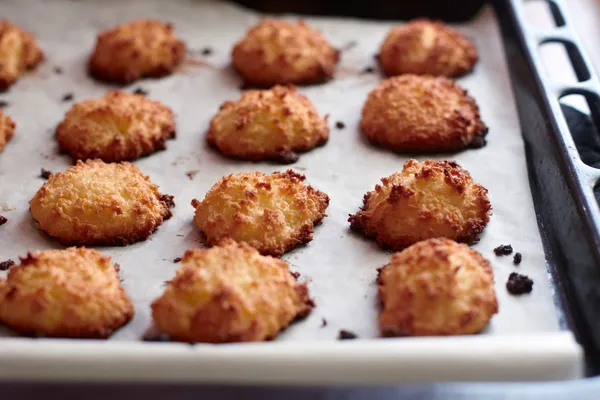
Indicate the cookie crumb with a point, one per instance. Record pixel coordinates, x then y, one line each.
503 250
519 284
45 174
156 337
121 280
296 275
346 335
67 97
176 260
288 157
340 125
141 91
180 235
3 220
191 174
57 70
323 322
517 258
207 51
3 104
368 70
5 265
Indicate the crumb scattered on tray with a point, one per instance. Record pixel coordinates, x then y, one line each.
45 173
368 70
57 70
176 260
346 335
519 284
141 91
340 125
67 97
323 323
296 275
5 265
191 174
156 337
3 220
503 250
3 103
517 258
180 235
207 51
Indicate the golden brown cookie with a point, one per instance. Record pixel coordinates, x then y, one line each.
94 203
116 127
426 47
268 125
411 113
272 213
436 287
138 49
230 293
7 129
73 293
278 52
19 52
425 200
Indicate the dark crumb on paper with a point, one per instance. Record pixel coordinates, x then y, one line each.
5 265
346 335
350 45
166 283
3 220
287 157
379 270
478 142
180 235
4 104
517 258
67 97
476 240
519 284
192 174
207 51
121 280
176 260
45 173
156 337
340 125
503 250
296 275
141 91
368 70
323 322
168 199
57 70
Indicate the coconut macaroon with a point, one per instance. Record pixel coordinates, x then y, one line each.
272 213
19 52
268 125
278 52
7 129
116 127
436 287
411 113
230 293
426 47
425 200
74 293
94 203
138 49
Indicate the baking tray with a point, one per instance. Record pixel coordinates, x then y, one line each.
528 340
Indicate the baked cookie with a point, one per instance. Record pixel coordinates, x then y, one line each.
138 49
19 52
425 200
7 129
426 47
230 293
278 52
94 203
436 287
116 127
73 293
272 213
268 125
411 113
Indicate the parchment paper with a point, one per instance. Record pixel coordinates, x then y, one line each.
340 265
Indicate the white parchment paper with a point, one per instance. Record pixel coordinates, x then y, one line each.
340 265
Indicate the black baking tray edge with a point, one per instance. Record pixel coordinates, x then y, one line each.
562 185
